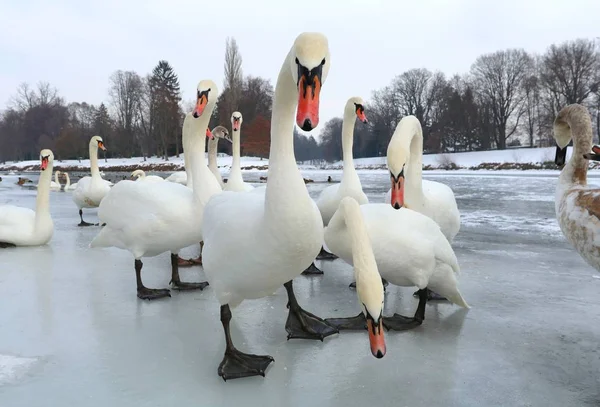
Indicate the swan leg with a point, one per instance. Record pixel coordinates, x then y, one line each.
4 245
236 364
302 324
145 293
83 223
357 323
191 262
431 296
176 281
325 255
399 322
312 270
383 281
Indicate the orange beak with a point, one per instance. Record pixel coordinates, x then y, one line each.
309 89
398 190
236 124
44 164
200 105
101 145
209 134
376 338
360 113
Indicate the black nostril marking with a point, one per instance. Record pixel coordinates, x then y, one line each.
396 205
307 125
379 354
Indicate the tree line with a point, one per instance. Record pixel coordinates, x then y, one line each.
508 98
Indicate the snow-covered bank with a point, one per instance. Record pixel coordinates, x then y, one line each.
513 159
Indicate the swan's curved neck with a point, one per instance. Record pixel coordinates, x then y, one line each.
56 178
213 145
286 191
42 200
94 162
68 183
362 251
575 171
236 169
410 138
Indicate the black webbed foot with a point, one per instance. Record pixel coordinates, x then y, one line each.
302 324
325 255
189 286
431 296
236 364
357 323
312 270
152 293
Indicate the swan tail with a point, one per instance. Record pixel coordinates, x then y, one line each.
102 239
457 298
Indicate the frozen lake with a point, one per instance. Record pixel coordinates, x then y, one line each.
74 333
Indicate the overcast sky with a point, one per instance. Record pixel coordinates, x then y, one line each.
76 45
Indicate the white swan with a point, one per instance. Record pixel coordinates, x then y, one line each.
235 182
410 190
369 287
91 190
55 185
410 250
329 199
24 227
276 235
577 204
150 218
140 175
68 185
218 132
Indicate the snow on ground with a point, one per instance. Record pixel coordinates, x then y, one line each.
462 160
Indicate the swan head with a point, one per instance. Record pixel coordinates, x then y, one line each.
371 302
97 142
397 158
221 132
236 121
46 157
562 136
310 65
206 93
138 174
356 105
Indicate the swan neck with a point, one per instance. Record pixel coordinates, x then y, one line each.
284 182
411 138
362 251
348 139
575 171
196 139
235 164
94 161
213 145
42 200
68 183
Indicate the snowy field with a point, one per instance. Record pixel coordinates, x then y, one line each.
462 160
74 333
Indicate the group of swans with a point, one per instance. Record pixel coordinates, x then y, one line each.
278 232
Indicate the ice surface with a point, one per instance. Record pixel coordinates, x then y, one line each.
530 339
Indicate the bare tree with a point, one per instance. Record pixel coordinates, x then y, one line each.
233 76
27 98
126 89
531 102
499 79
570 72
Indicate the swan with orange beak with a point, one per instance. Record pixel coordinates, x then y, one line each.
369 287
